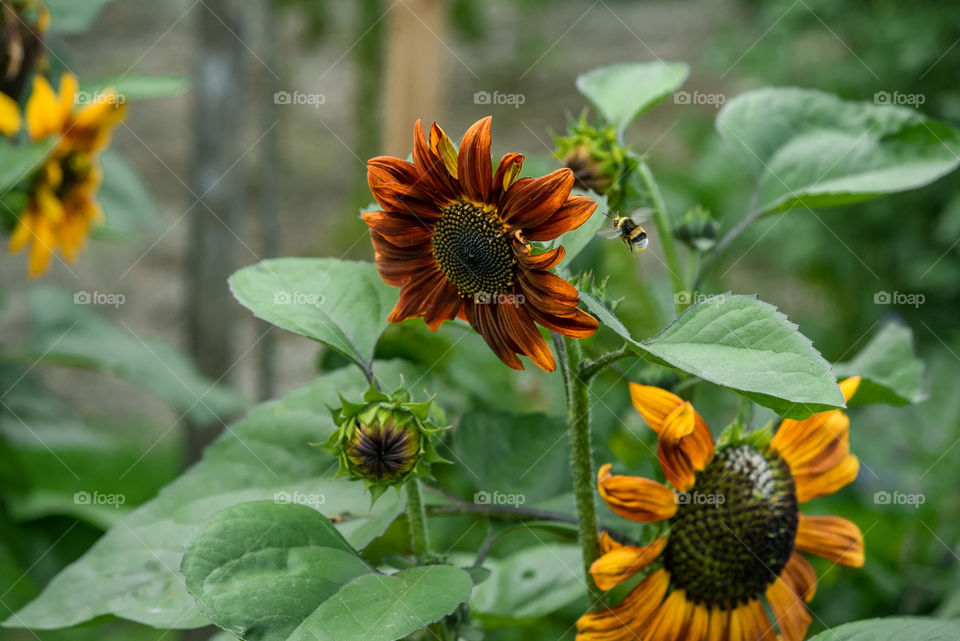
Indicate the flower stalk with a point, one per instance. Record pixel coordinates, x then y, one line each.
417 519
578 415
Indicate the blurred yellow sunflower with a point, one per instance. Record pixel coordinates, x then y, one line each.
62 205
734 529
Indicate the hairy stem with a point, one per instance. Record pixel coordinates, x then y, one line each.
578 414
590 369
417 519
664 231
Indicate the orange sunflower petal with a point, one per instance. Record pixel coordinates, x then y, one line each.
832 537
629 619
607 543
800 576
718 629
9 115
45 115
442 146
789 610
817 484
618 565
434 177
682 450
532 201
474 167
671 618
576 211
507 172
636 498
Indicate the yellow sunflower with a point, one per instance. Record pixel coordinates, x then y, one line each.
62 204
734 532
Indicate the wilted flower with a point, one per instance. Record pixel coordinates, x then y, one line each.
386 439
735 531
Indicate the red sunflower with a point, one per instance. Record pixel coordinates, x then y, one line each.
455 237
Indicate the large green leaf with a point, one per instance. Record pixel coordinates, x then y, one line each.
744 344
894 629
132 571
892 374
342 304
19 161
621 92
67 330
274 572
812 149
74 16
529 584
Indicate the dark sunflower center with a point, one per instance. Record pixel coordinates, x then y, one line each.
383 452
473 250
734 530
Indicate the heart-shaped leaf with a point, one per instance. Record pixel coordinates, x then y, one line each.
281 572
811 149
342 304
622 92
745 344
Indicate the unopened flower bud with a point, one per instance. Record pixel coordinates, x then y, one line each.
697 229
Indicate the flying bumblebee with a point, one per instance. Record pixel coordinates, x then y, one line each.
629 230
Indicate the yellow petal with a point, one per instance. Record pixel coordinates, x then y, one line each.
21 234
68 92
849 387
832 537
616 566
817 484
635 498
678 423
654 404
9 115
45 115
443 147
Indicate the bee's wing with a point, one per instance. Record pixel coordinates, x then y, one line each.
641 215
609 232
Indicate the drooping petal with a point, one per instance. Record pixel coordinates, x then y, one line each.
523 330
532 201
789 610
482 319
683 451
474 166
618 565
629 619
397 265
800 576
832 537
817 484
400 230
396 186
576 211
636 498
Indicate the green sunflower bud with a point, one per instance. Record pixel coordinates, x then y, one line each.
596 158
386 439
697 229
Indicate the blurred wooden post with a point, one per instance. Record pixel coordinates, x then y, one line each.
219 183
416 61
369 96
269 198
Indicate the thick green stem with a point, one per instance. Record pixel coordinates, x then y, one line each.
417 519
578 414
665 232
